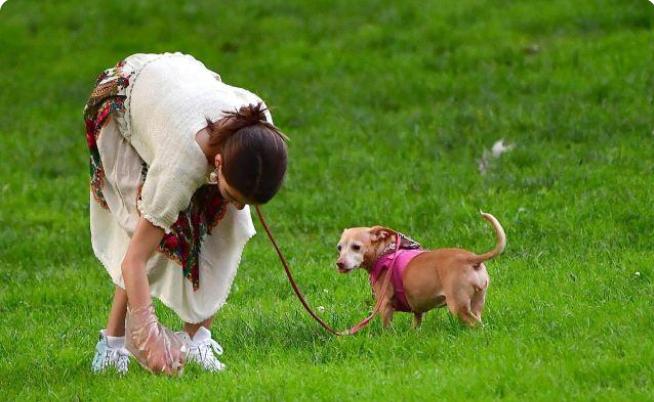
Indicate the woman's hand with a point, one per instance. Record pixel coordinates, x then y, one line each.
154 346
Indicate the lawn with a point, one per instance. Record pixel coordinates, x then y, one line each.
389 106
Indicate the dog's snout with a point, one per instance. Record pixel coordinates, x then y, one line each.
342 266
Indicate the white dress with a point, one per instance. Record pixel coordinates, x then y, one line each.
141 122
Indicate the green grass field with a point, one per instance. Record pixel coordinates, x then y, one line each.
389 106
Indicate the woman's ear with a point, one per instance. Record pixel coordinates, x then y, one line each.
378 233
218 160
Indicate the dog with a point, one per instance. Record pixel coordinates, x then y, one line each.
420 279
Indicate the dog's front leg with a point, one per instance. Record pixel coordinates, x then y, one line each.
417 320
387 311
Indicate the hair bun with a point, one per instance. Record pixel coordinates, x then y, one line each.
245 116
251 114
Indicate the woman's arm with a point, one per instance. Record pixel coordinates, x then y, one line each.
153 345
145 240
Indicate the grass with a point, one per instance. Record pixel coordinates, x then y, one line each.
389 106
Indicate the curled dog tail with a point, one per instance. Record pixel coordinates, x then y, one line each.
499 235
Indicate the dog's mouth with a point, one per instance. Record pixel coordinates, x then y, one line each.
344 270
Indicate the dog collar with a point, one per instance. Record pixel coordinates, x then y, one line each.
405 243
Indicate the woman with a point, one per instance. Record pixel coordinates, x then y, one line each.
176 156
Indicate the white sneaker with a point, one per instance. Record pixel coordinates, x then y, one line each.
110 351
202 349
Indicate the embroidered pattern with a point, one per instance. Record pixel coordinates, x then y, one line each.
207 206
105 98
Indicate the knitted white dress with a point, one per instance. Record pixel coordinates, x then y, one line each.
141 123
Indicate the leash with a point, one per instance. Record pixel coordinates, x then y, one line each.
359 326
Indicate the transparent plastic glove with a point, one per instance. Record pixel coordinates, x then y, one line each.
153 345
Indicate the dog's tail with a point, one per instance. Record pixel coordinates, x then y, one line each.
501 240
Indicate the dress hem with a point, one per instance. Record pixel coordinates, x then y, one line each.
163 300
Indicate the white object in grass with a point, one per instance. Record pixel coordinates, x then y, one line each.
498 148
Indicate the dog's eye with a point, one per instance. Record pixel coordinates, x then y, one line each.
338 247
356 247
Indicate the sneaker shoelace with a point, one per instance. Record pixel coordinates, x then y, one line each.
205 354
119 357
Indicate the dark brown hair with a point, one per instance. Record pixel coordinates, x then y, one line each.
253 150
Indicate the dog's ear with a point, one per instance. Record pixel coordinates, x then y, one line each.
378 233
408 243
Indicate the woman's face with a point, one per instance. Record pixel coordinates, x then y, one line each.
229 193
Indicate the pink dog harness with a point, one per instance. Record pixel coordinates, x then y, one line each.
396 262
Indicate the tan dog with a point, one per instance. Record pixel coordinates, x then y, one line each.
447 276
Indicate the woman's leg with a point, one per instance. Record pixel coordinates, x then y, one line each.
116 321
202 349
191 329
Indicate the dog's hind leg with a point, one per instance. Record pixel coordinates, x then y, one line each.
477 303
417 320
460 306
466 315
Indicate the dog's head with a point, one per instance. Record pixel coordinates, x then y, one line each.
360 247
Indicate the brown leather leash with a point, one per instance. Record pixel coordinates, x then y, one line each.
363 323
